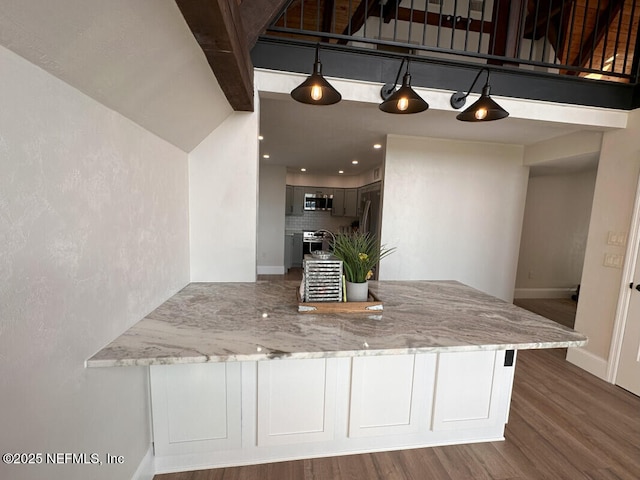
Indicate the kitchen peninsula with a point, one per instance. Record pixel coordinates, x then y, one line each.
238 376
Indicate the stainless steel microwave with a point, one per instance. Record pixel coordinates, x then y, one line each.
314 201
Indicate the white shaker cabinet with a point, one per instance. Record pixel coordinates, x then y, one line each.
296 401
223 414
391 394
196 407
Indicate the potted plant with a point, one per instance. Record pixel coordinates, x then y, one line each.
359 252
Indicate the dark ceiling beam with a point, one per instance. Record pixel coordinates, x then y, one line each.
217 26
327 17
605 18
359 17
257 15
551 21
503 42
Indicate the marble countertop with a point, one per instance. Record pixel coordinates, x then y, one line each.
217 322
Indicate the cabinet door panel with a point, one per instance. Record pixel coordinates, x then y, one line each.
468 390
296 401
351 202
195 407
389 394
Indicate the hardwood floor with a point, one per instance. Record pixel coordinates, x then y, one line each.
565 424
561 310
293 274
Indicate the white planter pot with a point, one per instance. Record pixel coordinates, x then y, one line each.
357 292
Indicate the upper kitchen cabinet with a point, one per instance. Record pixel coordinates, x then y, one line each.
294 203
320 191
345 202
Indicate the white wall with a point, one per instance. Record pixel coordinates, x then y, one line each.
138 58
454 211
223 201
335 181
554 234
93 236
613 201
271 207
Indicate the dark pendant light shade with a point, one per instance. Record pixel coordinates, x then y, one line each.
403 100
485 109
315 90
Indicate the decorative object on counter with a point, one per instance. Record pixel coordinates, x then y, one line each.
315 90
321 254
322 279
484 109
373 305
360 253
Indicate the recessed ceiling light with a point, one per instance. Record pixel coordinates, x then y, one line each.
377 146
266 155
340 171
355 162
260 137
303 169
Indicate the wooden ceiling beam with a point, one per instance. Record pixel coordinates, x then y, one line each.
605 18
257 15
359 17
327 17
217 26
226 30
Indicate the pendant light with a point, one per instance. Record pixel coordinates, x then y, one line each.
315 90
403 100
485 109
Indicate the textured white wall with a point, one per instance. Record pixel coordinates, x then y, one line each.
223 201
613 200
139 58
93 236
554 232
454 211
271 206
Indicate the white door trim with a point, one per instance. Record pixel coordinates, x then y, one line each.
633 250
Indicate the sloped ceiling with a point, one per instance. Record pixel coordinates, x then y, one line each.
138 58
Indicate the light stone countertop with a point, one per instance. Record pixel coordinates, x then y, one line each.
217 322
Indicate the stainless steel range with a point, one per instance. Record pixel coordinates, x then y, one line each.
317 240
312 240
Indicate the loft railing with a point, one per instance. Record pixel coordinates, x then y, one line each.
587 38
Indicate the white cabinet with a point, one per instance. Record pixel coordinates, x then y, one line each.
224 414
390 394
296 401
470 390
196 407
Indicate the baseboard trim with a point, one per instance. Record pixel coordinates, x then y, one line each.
543 292
270 270
147 467
586 360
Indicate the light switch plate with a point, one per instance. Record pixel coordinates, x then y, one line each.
613 260
618 239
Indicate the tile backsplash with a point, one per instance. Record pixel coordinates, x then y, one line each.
315 220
